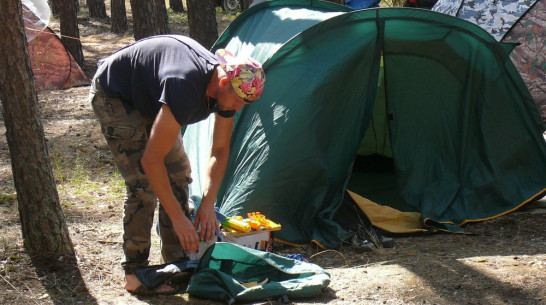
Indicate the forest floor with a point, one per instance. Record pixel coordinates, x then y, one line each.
503 262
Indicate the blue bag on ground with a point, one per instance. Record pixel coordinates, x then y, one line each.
232 273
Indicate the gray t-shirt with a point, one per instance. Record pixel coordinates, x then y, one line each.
167 69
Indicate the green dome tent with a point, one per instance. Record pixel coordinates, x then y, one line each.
438 96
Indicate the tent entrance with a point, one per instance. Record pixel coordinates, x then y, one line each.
374 174
374 178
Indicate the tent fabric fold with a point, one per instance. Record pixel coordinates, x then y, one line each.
465 135
389 219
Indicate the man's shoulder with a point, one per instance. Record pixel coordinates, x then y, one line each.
190 42
180 38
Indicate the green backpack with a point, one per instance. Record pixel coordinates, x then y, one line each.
232 273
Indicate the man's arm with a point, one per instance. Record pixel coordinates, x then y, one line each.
219 155
162 138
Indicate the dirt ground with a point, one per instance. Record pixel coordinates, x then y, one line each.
504 262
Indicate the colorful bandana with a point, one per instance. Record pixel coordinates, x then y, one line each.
247 76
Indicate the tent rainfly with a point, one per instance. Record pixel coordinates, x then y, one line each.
429 103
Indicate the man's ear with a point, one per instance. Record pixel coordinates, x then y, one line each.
224 81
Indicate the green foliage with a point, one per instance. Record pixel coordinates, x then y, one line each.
221 13
180 18
8 199
58 170
392 3
80 184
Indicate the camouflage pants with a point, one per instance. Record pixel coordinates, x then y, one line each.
127 135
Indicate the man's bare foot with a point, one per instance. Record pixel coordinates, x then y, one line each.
134 286
131 282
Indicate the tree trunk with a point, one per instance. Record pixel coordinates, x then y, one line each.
119 16
202 22
97 8
43 225
55 6
161 19
70 34
176 5
143 21
245 4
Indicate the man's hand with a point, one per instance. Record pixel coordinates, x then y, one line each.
206 217
186 234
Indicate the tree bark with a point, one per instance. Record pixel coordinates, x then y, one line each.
202 22
245 4
70 33
177 6
161 19
55 6
43 224
97 8
143 21
119 16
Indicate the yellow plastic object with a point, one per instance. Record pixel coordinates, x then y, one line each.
237 224
230 230
268 224
271 225
255 225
